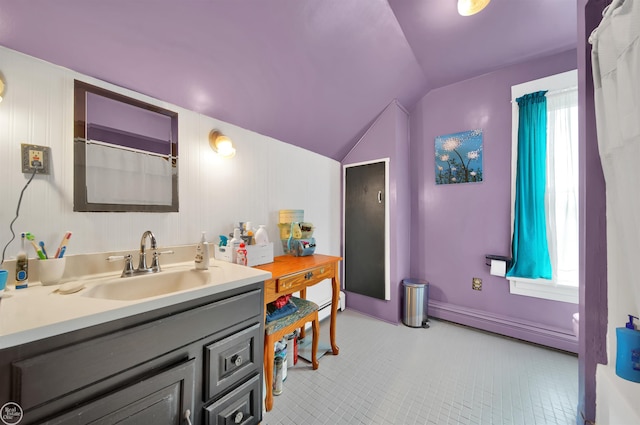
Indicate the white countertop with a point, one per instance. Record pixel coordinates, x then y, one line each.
38 312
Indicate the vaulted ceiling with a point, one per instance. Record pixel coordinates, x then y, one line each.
312 73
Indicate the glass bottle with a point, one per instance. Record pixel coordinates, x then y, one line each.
277 385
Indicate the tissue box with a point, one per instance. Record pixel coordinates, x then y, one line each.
256 254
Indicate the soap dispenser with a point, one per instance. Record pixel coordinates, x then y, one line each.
202 254
628 351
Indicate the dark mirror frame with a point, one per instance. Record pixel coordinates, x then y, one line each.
80 202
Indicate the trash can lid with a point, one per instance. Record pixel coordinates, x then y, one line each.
414 282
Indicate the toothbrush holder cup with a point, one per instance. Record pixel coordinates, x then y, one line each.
51 270
4 275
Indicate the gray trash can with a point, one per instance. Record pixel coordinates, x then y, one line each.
416 297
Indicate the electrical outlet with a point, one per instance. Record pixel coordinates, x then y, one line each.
476 284
35 157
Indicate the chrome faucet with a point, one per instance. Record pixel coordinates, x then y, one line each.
142 264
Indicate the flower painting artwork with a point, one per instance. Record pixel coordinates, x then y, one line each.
459 157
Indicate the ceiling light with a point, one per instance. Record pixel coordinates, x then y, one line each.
1 89
471 7
221 144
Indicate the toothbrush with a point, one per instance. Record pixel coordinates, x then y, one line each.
63 243
31 238
44 251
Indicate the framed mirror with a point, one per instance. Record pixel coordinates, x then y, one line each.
125 153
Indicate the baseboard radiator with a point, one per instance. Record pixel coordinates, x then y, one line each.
538 333
324 307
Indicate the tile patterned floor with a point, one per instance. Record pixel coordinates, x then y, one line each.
447 374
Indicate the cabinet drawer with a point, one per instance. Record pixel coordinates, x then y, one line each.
297 281
241 406
231 359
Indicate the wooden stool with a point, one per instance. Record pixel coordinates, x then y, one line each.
277 329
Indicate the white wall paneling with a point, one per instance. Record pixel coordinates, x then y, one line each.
266 175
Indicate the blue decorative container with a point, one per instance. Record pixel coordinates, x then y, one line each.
628 352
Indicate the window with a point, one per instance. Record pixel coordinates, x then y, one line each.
561 192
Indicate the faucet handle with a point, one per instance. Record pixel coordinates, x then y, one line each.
128 263
155 264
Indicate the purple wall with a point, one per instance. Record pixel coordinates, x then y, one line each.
593 251
455 226
388 137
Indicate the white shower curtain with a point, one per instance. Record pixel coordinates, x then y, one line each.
616 74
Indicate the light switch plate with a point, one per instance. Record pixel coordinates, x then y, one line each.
35 157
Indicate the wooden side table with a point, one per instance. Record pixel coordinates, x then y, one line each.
291 274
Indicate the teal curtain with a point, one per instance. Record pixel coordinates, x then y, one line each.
530 251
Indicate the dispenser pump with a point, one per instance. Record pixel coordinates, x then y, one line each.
630 324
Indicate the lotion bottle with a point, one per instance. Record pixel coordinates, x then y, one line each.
202 254
261 236
22 267
234 244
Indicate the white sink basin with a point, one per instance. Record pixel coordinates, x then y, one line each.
153 284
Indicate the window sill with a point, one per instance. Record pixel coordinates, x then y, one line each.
542 288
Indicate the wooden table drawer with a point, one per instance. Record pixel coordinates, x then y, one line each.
297 281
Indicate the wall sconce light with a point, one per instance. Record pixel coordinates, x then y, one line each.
471 7
1 89
221 144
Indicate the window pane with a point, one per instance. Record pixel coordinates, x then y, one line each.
562 186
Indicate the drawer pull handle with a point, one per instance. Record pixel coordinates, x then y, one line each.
187 416
238 418
237 360
308 275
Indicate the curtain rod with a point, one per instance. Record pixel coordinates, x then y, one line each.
555 92
124 148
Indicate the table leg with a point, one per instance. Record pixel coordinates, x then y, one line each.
303 295
335 300
268 375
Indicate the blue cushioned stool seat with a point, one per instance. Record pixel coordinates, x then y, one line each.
305 307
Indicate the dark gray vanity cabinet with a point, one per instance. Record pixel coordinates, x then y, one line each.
200 360
166 397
